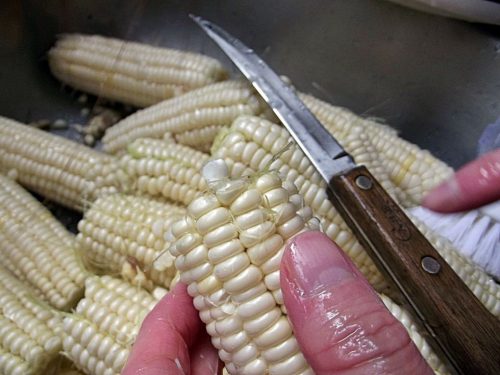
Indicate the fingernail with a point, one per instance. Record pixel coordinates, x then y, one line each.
443 197
314 264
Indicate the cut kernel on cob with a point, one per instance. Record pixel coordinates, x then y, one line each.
99 334
162 169
413 170
57 168
129 72
193 119
124 235
63 366
251 145
228 249
36 248
29 330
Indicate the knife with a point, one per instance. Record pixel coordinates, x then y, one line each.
459 326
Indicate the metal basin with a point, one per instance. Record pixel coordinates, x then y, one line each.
436 80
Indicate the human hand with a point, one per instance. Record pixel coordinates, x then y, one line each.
340 323
474 185
173 340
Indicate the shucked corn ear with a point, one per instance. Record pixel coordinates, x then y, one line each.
57 168
37 248
251 145
411 169
163 169
193 119
129 72
29 330
228 249
99 334
125 234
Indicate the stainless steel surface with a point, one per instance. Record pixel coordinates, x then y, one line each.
324 152
436 80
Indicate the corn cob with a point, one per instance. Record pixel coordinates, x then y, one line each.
37 249
161 168
16 199
125 234
98 336
29 330
252 144
413 170
57 168
228 249
193 118
130 72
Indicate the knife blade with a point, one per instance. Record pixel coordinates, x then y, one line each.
459 326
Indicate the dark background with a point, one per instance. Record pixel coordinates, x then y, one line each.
436 80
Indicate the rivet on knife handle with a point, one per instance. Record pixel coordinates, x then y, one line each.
465 330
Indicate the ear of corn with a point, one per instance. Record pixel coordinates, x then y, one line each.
251 145
130 72
193 119
37 249
126 234
29 330
228 249
57 168
163 169
411 169
99 334
254 144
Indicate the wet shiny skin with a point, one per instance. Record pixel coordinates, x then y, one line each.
339 321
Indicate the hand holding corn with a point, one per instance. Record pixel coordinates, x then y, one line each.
266 307
350 330
173 340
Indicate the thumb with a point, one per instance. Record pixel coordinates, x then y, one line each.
340 323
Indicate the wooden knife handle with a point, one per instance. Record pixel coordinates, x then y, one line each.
464 329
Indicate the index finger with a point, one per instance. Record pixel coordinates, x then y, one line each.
474 185
167 332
